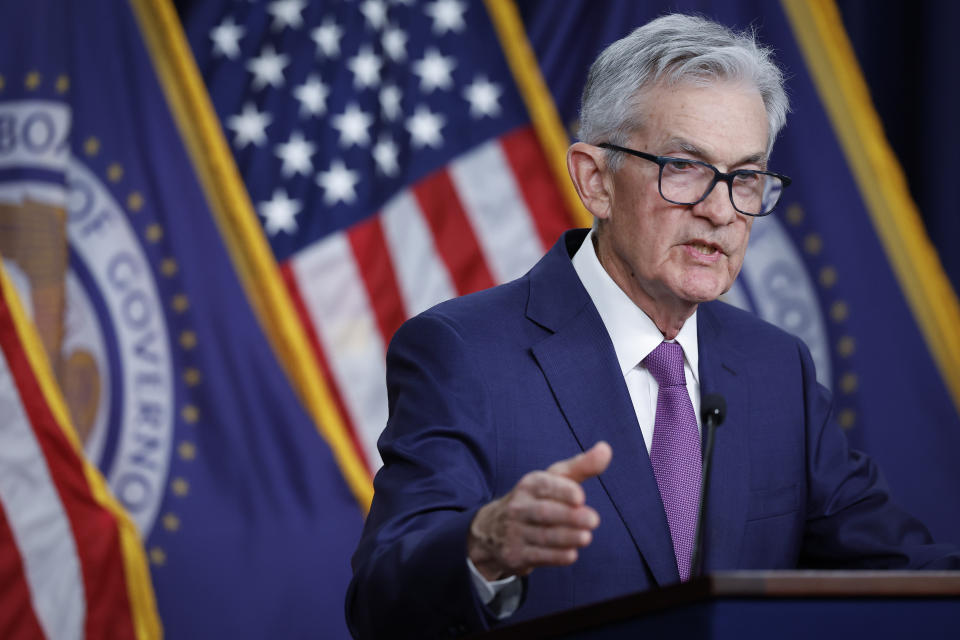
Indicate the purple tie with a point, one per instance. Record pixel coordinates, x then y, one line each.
675 452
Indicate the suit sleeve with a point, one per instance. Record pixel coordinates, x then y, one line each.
410 573
852 523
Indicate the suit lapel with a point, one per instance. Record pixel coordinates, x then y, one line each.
581 368
582 371
721 372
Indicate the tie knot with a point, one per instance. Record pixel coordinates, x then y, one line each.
665 363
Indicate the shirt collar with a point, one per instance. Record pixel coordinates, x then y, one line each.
633 333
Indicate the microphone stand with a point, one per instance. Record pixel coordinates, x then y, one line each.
713 410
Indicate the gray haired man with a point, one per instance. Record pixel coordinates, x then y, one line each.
543 447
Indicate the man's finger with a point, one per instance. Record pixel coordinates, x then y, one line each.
547 557
552 486
556 537
549 513
588 464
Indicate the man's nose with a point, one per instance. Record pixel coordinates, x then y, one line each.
717 206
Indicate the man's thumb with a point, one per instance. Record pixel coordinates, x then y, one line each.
590 463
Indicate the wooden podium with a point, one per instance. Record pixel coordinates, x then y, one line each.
808 605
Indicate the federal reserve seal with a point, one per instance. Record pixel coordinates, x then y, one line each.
85 277
774 284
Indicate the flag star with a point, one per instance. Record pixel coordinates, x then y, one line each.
375 11
267 68
338 184
483 97
434 71
249 126
447 15
366 68
424 128
394 42
295 154
312 95
280 213
327 38
353 125
286 13
390 102
226 38
385 153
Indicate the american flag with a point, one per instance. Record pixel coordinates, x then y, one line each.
391 162
71 565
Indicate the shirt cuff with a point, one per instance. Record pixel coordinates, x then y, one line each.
501 597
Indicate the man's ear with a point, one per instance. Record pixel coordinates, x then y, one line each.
587 166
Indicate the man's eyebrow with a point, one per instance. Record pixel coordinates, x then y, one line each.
759 158
686 146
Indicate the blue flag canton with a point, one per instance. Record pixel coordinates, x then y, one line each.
333 107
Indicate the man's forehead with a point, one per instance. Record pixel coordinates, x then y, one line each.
721 122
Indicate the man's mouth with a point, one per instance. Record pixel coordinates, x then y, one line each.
703 248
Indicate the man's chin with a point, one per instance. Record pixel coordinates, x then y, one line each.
703 292
701 283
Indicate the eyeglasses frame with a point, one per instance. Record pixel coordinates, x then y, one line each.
717 176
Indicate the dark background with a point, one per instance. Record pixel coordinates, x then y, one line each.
909 56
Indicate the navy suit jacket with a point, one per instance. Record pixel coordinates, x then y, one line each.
486 388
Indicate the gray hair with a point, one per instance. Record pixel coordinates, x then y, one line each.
672 49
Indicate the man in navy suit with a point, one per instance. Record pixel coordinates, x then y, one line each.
523 469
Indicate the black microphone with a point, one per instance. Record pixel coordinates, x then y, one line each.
713 409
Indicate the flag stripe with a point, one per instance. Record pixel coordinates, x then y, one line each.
116 589
421 274
18 620
95 538
39 518
546 121
39 523
290 280
452 232
540 192
496 210
38 475
338 306
373 260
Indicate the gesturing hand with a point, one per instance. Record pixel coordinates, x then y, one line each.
543 521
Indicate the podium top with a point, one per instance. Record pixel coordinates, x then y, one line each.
818 584
738 585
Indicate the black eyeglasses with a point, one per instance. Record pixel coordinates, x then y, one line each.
687 182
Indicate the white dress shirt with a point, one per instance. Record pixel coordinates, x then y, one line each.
634 336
